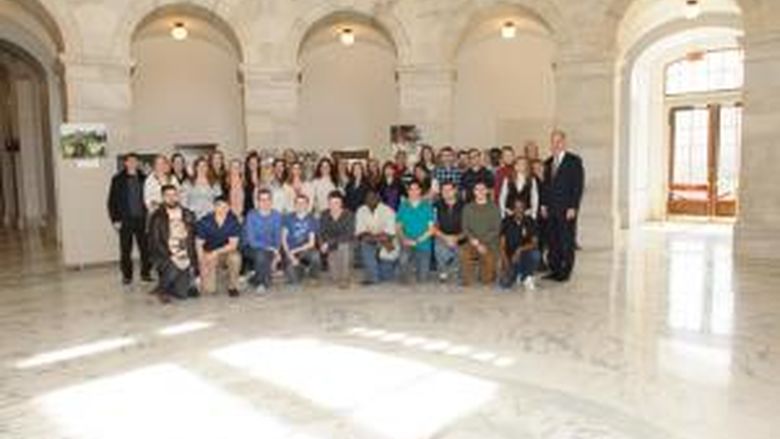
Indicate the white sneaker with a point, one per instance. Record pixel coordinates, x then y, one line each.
261 290
529 284
443 277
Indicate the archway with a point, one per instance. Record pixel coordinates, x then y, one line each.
505 86
666 167
187 85
31 110
348 92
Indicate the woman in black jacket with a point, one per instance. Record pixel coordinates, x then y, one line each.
357 188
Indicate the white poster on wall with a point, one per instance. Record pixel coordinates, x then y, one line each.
83 141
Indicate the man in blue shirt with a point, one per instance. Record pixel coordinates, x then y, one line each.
217 235
299 240
263 233
415 220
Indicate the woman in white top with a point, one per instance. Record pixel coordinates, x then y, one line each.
296 184
274 177
323 184
521 184
199 195
161 176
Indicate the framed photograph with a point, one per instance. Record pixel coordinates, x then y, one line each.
80 141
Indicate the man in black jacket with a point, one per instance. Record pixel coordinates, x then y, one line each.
564 180
172 247
127 212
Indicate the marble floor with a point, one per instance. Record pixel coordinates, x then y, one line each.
664 337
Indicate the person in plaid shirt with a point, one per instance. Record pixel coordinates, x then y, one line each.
447 171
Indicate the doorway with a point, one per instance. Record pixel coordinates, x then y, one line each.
704 149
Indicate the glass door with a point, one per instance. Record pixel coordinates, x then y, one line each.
704 160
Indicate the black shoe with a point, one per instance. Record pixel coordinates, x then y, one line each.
127 281
193 293
146 278
551 276
233 292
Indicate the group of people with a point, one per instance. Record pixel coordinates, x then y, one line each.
454 213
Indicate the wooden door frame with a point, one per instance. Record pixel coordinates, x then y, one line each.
711 208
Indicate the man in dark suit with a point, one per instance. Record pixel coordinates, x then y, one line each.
127 211
564 180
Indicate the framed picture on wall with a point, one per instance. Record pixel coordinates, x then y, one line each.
81 141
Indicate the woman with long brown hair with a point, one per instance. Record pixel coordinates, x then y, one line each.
391 189
234 185
295 185
252 180
323 184
357 188
216 163
374 173
199 194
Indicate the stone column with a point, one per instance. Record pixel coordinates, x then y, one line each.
98 91
271 108
758 229
426 96
585 110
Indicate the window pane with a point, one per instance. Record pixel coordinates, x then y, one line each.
728 154
717 70
690 166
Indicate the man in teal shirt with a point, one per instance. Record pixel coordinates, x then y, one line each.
415 221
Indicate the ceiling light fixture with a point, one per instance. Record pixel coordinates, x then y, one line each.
179 32
347 36
692 9
508 30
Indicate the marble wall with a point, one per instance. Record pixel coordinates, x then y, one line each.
758 229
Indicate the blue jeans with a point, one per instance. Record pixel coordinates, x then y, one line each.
308 261
262 262
419 260
526 266
375 269
447 258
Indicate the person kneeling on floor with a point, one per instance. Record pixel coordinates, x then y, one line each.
519 247
218 234
299 242
172 245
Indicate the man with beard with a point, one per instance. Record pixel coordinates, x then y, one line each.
172 245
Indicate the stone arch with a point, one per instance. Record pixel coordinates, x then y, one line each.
55 23
544 13
143 12
616 11
630 48
383 19
60 23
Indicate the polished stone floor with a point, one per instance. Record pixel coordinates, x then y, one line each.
665 337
